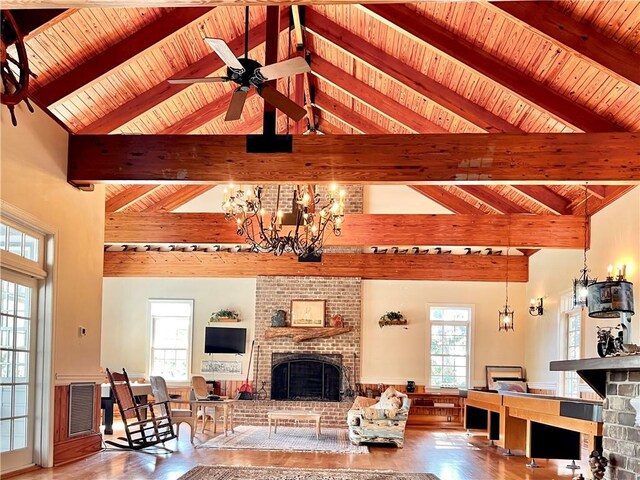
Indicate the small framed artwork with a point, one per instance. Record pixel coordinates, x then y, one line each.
307 313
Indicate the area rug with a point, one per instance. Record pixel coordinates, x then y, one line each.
288 438
203 472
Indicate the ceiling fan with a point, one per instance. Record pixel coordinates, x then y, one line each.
247 72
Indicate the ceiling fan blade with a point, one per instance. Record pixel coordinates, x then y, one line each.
282 103
177 81
224 52
236 105
283 69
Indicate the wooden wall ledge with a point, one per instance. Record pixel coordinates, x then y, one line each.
301 334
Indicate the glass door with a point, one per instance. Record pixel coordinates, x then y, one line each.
17 369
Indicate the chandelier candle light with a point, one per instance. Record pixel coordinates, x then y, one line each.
302 232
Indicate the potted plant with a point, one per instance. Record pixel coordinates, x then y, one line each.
224 315
392 318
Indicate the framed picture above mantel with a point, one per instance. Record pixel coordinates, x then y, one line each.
307 313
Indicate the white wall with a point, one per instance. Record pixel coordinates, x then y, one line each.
615 239
398 199
34 171
395 354
125 326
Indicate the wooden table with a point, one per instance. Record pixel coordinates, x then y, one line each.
293 415
227 413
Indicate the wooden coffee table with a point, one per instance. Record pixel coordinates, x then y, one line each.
296 415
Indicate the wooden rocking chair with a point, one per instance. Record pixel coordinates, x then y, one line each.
142 426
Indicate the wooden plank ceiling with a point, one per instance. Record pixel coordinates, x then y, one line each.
425 68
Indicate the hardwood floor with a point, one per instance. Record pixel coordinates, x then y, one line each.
450 454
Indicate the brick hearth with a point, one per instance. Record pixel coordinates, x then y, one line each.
254 412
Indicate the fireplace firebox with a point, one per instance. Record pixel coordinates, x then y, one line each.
306 376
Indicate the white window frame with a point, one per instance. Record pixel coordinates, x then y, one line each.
20 263
45 270
567 309
190 336
470 336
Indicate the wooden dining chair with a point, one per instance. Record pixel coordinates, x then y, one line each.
143 426
178 415
200 391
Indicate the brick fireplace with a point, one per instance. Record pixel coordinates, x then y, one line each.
304 376
337 355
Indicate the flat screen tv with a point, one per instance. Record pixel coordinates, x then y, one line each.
225 340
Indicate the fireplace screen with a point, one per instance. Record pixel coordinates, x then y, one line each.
306 377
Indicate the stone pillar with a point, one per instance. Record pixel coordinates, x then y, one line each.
621 439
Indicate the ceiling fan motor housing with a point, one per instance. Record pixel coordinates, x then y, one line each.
244 78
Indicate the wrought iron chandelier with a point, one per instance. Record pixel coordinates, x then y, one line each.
505 316
302 232
582 283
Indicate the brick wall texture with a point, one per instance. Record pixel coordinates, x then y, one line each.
621 439
353 198
342 295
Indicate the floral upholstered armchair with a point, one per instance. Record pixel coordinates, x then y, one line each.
379 422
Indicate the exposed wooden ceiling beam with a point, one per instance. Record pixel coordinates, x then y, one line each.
31 22
446 199
546 197
493 199
461 106
465 53
128 196
480 268
300 126
347 114
30 4
178 198
89 72
527 252
598 191
419 159
578 36
297 26
164 90
252 125
594 205
328 128
372 98
308 101
363 230
200 117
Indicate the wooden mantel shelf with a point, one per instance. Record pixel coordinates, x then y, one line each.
301 334
594 370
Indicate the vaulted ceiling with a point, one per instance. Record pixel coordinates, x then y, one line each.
417 68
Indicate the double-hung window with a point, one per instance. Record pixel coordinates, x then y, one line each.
450 328
572 325
171 328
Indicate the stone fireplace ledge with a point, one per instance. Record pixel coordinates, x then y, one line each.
594 370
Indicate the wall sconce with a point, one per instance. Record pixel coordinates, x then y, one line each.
536 308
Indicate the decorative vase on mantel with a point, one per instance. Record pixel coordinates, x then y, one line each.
279 319
392 318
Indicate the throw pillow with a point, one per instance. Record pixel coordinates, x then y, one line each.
361 402
512 386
